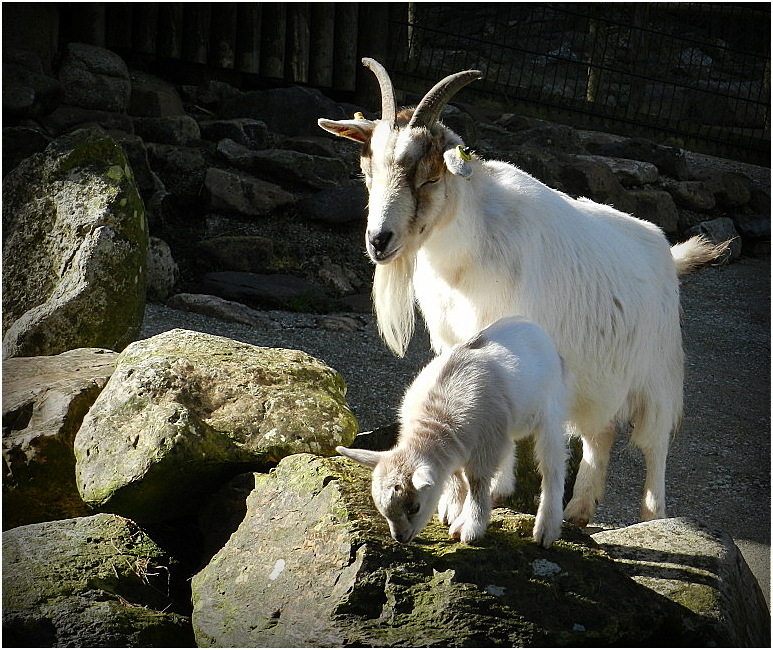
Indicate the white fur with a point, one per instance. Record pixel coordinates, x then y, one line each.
459 419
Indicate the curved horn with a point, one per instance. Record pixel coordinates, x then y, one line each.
388 105
429 108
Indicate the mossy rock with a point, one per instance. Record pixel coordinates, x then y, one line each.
184 411
312 564
74 249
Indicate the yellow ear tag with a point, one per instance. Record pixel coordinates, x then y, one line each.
464 153
359 116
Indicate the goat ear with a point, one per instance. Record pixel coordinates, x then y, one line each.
362 456
422 478
458 161
357 130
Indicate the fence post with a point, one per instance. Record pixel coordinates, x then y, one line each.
196 21
223 50
322 44
170 18
345 49
145 27
298 42
248 26
273 30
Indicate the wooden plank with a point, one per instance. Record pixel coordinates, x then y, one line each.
322 41
196 28
145 27
345 61
223 35
273 30
88 22
298 42
371 42
170 19
248 24
118 28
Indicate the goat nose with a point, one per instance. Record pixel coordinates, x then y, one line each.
380 241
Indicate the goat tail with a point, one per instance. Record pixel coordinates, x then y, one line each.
696 252
393 300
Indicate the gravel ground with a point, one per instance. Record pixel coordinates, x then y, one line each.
719 465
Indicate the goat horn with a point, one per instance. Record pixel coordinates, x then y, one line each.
388 105
429 108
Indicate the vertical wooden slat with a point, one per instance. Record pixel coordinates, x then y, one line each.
118 28
145 27
88 22
397 41
196 22
273 30
298 42
223 37
371 42
345 61
321 44
170 20
248 26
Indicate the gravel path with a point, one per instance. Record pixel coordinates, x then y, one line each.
719 465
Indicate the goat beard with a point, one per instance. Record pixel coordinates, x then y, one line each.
393 299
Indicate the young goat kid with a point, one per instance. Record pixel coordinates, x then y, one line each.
459 420
472 241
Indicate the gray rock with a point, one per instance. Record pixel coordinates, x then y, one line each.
731 190
177 130
19 143
314 146
554 137
699 568
209 93
656 206
717 231
339 205
693 195
285 165
267 291
162 271
293 111
240 193
64 119
245 131
226 310
668 160
136 153
44 402
248 253
153 97
753 227
183 410
594 180
74 249
28 93
88 582
181 169
312 564
93 77
630 173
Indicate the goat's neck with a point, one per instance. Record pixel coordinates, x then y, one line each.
433 440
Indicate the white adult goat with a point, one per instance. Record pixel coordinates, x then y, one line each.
472 241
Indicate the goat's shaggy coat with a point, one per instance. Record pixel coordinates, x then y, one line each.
459 419
472 241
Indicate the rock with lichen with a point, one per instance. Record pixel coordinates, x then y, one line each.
74 249
185 410
88 582
312 564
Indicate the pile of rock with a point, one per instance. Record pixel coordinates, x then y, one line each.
205 458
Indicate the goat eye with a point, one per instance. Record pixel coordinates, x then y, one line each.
412 510
430 182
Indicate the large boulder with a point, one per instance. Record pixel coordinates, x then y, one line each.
88 582
242 194
74 249
93 77
701 569
184 410
312 564
44 402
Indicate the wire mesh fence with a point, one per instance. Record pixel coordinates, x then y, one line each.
692 74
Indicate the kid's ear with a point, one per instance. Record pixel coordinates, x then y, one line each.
421 478
358 130
457 160
362 456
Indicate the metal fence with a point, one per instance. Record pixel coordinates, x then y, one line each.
692 74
